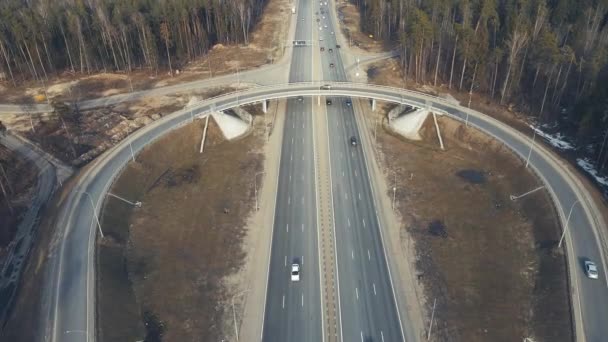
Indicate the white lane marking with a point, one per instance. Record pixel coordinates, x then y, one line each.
352 154
293 125
288 227
302 226
374 286
302 299
289 200
346 195
342 173
302 177
291 157
302 157
382 335
302 260
292 140
302 124
359 196
290 178
348 221
302 200
363 222
283 301
355 173
286 261
352 254
357 292
302 140
369 256
362 336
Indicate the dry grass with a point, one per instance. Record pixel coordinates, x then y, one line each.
351 27
491 263
185 239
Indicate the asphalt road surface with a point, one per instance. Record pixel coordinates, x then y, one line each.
368 308
293 309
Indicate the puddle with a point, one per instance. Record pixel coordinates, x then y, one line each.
437 228
472 176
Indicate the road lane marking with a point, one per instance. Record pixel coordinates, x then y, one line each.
302 157
302 177
302 200
302 226
290 178
382 335
374 286
352 154
286 261
357 292
362 336
302 260
352 254
291 157
283 301
288 227
346 195
342 173
363 222
292 140
289 200
302 299
355 173
369 256
359 196
348 221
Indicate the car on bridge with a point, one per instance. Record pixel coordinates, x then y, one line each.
295 272
328 102
325 87
331 50
323 49
331 65
353 141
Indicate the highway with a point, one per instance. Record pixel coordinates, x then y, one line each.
368 308
293 309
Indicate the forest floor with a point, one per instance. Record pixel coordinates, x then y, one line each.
265 46
94 131
18 178
490 263
350 24
174 264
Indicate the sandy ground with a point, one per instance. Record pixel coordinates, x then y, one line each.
265 46
184 253
81 137
490 263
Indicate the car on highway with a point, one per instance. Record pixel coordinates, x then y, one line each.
591 269
349 103
320 39
332 32
300 98
295 272
328 102
323 49
331 65
337 46
326 87
331 50
353 141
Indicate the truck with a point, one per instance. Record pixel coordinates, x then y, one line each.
293 10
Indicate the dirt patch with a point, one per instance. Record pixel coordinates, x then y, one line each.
492 264
350 24
17 179
167 261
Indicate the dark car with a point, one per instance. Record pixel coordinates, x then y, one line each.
337 46
328 102
331 65
349 103
323 49
331 50
353 141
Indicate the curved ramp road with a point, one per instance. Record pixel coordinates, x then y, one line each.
71 314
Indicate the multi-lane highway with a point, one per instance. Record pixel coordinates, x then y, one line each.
368 308
293 309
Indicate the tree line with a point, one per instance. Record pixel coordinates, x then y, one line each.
39 38
548 56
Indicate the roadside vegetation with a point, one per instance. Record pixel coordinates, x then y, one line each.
545 59
491 264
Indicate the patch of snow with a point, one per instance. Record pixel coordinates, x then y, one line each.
450 98
230 126
408 125
557 140
61 88
586 165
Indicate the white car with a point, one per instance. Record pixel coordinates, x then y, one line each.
591 269
295 272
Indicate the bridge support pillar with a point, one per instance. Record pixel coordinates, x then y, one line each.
264 107
373 104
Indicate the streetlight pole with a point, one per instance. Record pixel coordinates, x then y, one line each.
394 189
255 181
94 212
236 328
531 145
566 226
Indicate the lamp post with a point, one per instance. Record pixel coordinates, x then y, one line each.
566 226
94 213
255 181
